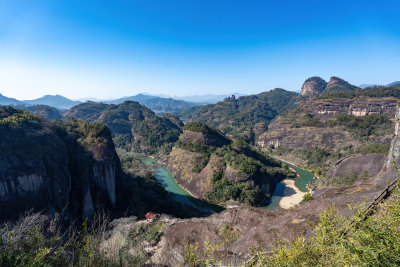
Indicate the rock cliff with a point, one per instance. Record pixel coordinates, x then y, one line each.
309 125
68 166
313 86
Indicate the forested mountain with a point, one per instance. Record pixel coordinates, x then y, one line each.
374 92
245 116
342 135
215 168
50 113
133 126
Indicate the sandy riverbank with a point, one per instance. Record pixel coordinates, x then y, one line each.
292 200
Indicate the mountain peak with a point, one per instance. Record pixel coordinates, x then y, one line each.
313 86
338 84
57 101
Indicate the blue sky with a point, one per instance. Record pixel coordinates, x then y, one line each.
109 49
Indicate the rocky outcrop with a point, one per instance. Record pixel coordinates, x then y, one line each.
313 86
337 84
284 131
70 167
182 163
393 159
362 106
369 165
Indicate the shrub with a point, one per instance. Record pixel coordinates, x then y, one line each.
307 197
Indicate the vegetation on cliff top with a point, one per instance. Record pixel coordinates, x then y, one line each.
374 92
133 126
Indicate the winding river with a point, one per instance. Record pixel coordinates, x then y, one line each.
282 190
167 180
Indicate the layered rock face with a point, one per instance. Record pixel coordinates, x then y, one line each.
283 132
361 106
70 167
181 163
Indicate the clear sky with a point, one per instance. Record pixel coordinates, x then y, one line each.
109 49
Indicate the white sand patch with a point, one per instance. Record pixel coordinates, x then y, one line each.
292 200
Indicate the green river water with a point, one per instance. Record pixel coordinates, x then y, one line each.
281 190
167 180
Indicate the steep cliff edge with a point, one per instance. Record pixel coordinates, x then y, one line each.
67 166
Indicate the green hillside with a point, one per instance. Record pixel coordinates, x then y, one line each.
241 117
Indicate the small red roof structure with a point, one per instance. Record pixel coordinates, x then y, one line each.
150 215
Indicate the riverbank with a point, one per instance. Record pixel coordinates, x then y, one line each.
291 191
293 197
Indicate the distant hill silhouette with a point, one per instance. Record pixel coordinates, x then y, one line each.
57 101
155 103
9 101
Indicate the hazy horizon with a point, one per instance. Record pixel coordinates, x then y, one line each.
109 50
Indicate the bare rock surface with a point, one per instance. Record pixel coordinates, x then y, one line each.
313 86
370 163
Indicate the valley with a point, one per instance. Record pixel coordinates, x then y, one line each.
277 157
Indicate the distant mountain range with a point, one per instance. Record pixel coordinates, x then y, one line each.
155 103
203 99
9 101
158 103
369 85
